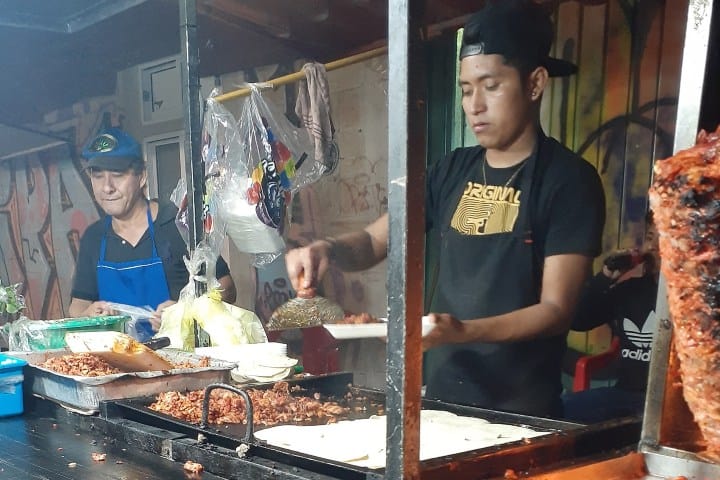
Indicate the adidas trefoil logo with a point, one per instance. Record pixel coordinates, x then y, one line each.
640 337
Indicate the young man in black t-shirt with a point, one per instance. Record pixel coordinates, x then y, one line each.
520 218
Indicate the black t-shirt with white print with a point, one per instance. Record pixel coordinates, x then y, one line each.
489 266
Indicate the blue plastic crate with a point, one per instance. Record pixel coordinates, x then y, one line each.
11 385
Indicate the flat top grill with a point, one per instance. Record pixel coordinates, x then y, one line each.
565 441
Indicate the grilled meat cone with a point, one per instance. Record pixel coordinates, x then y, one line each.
685 199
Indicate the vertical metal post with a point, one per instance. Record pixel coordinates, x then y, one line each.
406 201
692 76
194 171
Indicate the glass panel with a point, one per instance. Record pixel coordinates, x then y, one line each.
167 159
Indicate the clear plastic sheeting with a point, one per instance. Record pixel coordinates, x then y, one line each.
254 164
10 384
179 198
11 302
139 326
27 335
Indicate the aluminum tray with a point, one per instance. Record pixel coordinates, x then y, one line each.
84 394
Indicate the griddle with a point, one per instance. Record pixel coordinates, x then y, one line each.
333 387
567 440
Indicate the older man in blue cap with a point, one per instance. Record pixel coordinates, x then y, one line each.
133 256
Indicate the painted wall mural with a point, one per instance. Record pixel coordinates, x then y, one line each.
45 206
618 113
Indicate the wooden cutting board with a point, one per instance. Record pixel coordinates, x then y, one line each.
118 349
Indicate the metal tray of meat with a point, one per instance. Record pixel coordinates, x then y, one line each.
564 440
84 394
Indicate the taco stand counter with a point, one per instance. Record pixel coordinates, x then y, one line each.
51 441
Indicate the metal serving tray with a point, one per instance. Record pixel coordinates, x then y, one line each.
84 394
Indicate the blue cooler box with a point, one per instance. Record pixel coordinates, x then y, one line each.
11 385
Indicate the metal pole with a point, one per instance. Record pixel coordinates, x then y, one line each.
297 76
406 202
692 75
194 171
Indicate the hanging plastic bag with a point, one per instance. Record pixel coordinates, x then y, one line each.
253 167
179 198
227 324
177 321
275 147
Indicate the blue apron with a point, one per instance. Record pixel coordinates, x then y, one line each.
138 283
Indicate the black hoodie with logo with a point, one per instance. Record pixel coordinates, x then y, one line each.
629 308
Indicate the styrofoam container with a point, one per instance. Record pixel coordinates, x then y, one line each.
11 385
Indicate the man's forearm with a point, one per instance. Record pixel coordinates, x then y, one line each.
353 252
536 321
360 250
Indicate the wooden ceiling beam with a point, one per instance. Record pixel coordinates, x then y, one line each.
269 22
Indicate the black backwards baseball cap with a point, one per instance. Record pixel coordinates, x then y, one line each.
519 30
113 149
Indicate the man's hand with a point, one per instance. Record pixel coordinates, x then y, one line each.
98 309
307 265
623 265
350 252
618 276
156 318
448 329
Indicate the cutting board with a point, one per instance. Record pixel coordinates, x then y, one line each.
118 349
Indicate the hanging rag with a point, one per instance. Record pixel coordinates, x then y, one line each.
313 108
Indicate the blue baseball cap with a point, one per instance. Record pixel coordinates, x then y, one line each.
113 149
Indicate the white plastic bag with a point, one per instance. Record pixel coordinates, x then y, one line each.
253 166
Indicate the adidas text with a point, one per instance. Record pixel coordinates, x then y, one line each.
639 354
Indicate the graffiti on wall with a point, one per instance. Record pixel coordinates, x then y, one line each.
360 194
44 208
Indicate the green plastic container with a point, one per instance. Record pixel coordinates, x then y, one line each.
37 335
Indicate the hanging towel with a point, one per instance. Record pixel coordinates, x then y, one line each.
313 108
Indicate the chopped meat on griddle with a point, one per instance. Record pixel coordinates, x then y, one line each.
270 406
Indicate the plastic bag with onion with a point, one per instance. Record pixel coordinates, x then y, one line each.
225 324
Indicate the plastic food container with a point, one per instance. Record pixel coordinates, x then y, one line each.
11 385
33 335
